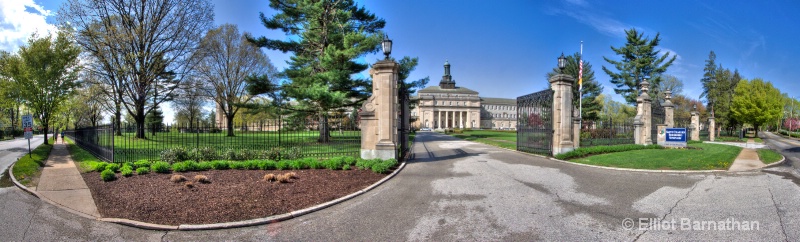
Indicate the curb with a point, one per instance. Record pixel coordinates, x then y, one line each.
252 222
43 198
775 163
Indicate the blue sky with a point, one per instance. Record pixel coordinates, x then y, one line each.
505 48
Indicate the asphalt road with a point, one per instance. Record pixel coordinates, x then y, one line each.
459 190
789 148
10 150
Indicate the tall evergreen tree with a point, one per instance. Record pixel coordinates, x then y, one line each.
330 37
155 120
407 65
591 88
639 60
709 78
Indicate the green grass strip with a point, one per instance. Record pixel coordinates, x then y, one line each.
705 157
503 139
30 166
769 156
85 160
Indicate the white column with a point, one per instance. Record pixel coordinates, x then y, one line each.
446 119
439 120
461 120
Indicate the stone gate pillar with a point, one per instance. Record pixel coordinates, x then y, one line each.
562 113
695 124
711 127
642 121
669 109
576 128
379 113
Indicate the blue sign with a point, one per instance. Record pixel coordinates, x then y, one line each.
675 137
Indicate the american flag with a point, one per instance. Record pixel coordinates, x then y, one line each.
580 76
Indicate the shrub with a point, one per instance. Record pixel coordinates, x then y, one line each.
251 164
194 154
273 154
126 171
365 164
269 177
141 163
346 167
173 155
297 164
208 153
334 163
237 165
108 175
201 179
177 178
100 166
230 154
203 166
246 154
291 154
113 167
266 165
282 165
160 167
595 150
312 163
220 165
142 170
180 167
349 160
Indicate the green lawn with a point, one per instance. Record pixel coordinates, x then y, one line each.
128 148
769 156
504 139
708 157
83 159
30 166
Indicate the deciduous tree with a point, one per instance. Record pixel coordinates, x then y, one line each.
756 102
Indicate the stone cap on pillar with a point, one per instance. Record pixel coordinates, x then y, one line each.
667 99
562 78
644 96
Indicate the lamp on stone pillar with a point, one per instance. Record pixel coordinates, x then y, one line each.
562 62
386 44
561 85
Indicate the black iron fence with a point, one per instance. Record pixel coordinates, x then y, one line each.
534 122
304 135
607 132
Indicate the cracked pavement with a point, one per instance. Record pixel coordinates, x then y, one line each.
460 190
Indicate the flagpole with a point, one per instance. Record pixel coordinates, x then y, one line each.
580 89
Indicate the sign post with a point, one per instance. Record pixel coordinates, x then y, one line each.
676 137
27 126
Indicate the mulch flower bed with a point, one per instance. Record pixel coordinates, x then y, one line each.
231 195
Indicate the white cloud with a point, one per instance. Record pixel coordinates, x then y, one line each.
17 23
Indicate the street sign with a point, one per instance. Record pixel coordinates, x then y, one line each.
27 125
676 137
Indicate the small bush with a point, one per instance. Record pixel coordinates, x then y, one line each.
208 153
173 155
312 163
100 166
346 167
269 177
282 165
238 165
108 175
251 164
273 154
292 153
246 154
297 164
349 160
334 163
113 167
160 167
595 150
126 170
179 167
177 178
142 170
141 163
201 179
203 166
230 154
366 164
220 165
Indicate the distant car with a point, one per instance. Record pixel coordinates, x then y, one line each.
425 129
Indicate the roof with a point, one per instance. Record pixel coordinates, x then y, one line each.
438 89
498 101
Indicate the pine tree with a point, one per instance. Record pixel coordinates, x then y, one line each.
155 120
709 78
639 60
330 37
591 88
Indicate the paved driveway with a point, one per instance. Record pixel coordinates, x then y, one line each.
459 190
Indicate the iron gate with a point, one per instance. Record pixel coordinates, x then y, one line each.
658 116
535 122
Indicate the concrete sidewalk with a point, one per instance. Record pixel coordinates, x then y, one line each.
61 183
747 159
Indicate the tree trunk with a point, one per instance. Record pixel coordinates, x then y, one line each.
118 120
140 125
756 128
324 131
45 136
229 120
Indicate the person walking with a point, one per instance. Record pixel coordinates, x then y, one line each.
62 136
